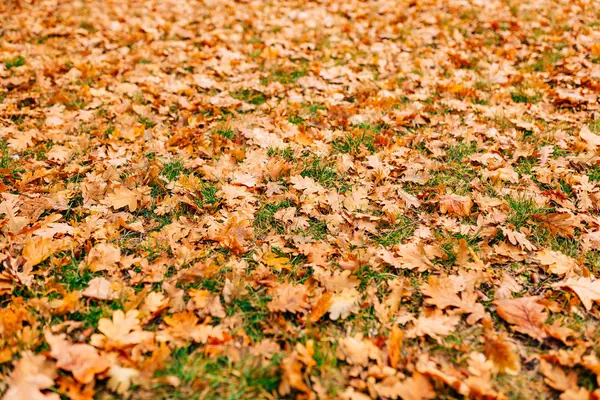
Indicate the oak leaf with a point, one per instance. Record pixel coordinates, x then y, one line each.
586 289
344 303
289 298
395 345
124 197
503 354
103 256
435 326
82 360
122 330
32 374
556 378
277 263
524 314
453 204
100 288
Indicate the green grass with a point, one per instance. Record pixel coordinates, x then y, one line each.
390 236
316 229
250 96
173 169
284 76
287 153
209 377
321 171
226 133
148 123
16 61
546 62
593 173
522 97
295 119
8 163
264 220
355 143
522 210
461 151
208 194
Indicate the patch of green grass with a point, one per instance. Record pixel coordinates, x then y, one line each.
173 169
226 133
460 151
254 313
218 377
8 163
390 236
77 104
375 128
295 119
250 96
14 62
593 173
148 123
455 176
522 97
264 220
287 153
546 62
321 171
317 229
93 311
285 76
88 27
354 144
313 108
208 194
73 278
522 210
525 165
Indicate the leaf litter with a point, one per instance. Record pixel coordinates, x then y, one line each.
246 199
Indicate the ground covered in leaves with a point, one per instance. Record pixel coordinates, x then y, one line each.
290 199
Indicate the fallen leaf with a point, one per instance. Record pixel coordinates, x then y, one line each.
524 314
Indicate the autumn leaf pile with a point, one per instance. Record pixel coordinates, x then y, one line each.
210 199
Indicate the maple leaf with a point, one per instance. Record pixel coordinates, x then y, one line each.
121 331
586 289
82 360
32 374
124 197
435 326
525 315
